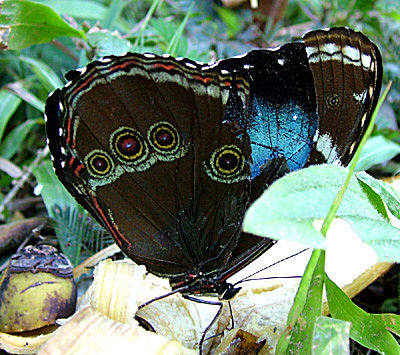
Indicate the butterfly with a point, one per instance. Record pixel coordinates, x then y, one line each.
168 153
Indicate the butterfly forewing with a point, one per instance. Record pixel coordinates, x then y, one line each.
347 70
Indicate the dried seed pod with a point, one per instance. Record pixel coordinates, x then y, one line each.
36 289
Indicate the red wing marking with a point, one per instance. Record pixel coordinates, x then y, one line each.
110 226
205 80
164 66
87 82
78 169
68 135
122 65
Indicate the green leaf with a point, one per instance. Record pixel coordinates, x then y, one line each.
8 105
331 336
377 150
113 12
78 233
177 37
231 19
46 75
51 189
139 42
69 227
390 321
85 9
21 89
367 329
385 191
108 43
12 143
25 23
291 204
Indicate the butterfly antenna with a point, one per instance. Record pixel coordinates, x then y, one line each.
249 277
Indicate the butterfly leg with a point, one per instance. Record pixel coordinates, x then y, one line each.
203 337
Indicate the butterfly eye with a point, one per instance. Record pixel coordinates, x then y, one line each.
332 100
128 145
99 163
226 165
165 140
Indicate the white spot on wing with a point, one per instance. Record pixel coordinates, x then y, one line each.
363 118
81 70
360 98
323 57
281 61
327 149
60 132
311 51
149 55
366 60
190 65
352 147
330 48
224 72
371 91
104 60
352 53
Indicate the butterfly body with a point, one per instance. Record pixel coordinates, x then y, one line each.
168 153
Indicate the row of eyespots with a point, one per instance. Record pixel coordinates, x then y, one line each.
132 149
225 165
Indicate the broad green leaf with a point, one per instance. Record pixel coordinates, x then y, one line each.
85 9
8 104
51 189
13 141
25 23
331 336
377 150
390 321
387 192
289 206
370 330
108 43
